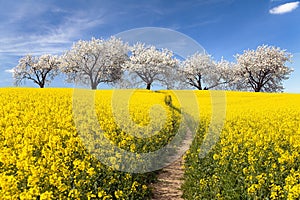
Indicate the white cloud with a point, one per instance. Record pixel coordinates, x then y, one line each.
49 29
285 8
9 70
56 39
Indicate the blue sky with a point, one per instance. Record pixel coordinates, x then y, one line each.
222 27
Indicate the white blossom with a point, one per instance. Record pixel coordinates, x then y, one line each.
264 69
202 72
148 65
40 70
95 61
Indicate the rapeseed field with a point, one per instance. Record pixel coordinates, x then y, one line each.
44 153
257 154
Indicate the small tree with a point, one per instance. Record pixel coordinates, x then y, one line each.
95 61
148 65
40 70
264 69
201 72
198 70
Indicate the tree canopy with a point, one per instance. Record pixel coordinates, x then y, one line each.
40 70
111 61
95 61
147 64
264 69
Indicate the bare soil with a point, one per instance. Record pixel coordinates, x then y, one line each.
169 182
170 178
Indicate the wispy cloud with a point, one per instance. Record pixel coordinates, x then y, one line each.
284 8
9 70
48 29
55 40
202 23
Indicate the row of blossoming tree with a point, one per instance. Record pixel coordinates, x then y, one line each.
114 62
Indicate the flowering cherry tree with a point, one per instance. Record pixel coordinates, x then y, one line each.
95 61
264 69
226 76
202 72
147 65
40 70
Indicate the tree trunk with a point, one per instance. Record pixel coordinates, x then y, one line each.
93 86
258 88
199 82
199 87
148 86
42 85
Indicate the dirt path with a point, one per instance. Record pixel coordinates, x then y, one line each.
170 178
169 182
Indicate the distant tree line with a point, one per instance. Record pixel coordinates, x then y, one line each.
114 62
